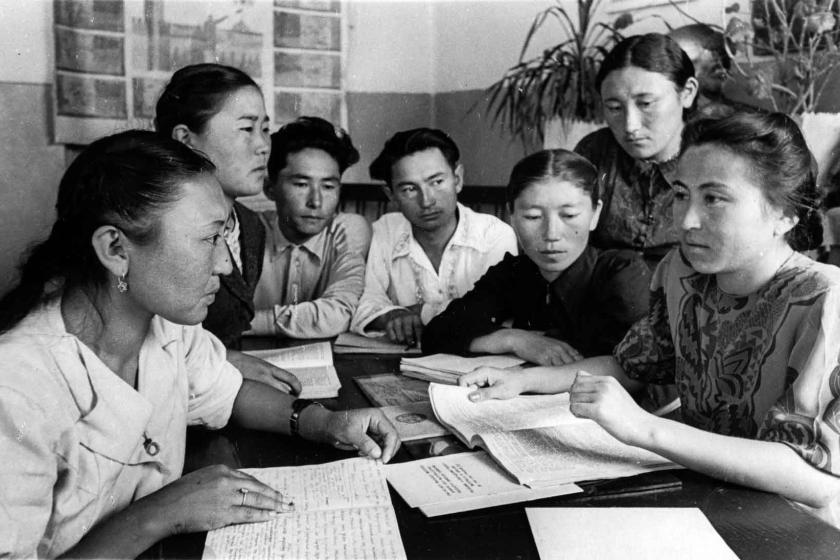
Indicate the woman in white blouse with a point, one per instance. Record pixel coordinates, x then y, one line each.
105 364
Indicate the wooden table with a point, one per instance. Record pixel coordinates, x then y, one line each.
754 524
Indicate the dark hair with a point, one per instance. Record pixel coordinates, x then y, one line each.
411 141
125 180
653 52
780 158
195 93
706 37
558 164
310 132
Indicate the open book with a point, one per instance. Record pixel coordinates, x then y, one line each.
447 368
312 364
538 440
352 343
462 482
342 510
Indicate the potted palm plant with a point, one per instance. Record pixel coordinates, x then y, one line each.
554 92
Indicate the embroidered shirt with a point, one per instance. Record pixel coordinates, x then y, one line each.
637 197
311 290
762 366
399 274
72 432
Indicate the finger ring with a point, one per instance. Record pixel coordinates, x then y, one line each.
338 443
244 492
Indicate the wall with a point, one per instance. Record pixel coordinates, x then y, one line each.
31 166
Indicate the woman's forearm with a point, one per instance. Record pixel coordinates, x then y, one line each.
497 342
125 534
764 465
558 379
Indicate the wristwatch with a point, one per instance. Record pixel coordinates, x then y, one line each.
297 407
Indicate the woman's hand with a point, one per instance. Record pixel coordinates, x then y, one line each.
364 429
214 497
493 383
540 349
256 369
603 399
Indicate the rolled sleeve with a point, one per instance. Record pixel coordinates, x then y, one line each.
213 381
375 300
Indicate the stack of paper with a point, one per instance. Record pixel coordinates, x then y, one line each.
462 482
447 368
312 364
351 343
626 533
341 510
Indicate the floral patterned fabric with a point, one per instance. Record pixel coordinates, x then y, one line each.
762 366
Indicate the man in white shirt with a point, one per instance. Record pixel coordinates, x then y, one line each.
434 249
314 264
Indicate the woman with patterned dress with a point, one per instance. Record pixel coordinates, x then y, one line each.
648 89
745 325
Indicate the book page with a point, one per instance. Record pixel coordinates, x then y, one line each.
352 343
461 482
455 410
389 389
317 380
626 533
308 355
451 363
570 453
414 421
342 510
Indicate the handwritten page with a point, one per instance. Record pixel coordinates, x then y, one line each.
626 534
453 408
570 453
461 482
414 421
342 510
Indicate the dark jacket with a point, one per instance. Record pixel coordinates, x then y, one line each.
591 305
231 313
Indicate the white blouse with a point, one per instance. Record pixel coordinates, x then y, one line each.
78 443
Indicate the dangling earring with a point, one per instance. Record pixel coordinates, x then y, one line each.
122 285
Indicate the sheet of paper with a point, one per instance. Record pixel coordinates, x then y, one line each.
570 453
454 409
461 482
459 364
414 421
342 510
352 343
626 534
307 355
388 389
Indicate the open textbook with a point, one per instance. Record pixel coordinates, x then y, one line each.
447 368
342 510
538 440
352 343
312 364
462 482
